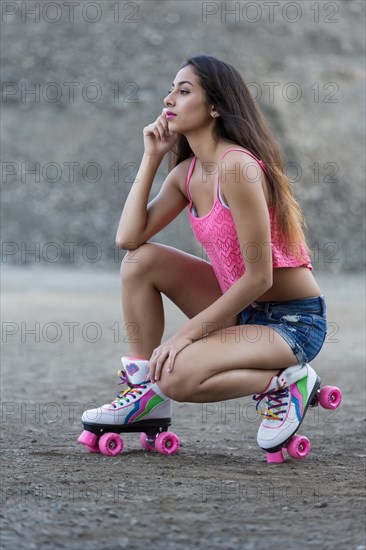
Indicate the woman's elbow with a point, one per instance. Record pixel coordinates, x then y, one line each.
263 280
266 279
125 244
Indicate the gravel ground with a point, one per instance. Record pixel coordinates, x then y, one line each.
218 491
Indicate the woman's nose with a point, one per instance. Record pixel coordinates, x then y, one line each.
168 100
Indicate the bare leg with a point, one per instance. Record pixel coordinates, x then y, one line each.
227 365
230 363
153 269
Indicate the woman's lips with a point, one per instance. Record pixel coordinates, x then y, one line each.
170 115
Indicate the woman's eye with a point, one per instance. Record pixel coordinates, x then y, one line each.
183 91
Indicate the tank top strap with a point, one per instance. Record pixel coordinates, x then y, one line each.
218 194
191 168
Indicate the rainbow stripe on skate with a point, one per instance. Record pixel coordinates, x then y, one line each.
299 396
142 407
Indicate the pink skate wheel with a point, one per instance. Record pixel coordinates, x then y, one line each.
275 457
167 443
145 443
88 439
330 397
94 449
110 444
298 447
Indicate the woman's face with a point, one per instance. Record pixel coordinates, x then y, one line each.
186 100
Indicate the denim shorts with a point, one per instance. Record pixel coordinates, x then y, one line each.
302 323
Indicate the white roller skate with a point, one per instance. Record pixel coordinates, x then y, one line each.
142 407
288 397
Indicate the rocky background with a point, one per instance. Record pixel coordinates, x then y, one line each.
79 86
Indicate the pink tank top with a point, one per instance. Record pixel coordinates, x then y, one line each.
216 232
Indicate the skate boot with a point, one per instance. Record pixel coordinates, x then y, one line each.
288 397
142 407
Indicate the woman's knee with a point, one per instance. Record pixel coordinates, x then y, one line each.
174 387
138 262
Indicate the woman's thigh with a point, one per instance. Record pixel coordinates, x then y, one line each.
270 335
241 347
188 281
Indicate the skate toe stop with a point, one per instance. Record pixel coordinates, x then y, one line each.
275 457
87 438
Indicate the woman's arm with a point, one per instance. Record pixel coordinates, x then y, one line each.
133 218
140 221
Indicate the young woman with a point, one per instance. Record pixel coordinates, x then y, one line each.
256 315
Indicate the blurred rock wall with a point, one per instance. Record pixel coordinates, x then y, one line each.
80 81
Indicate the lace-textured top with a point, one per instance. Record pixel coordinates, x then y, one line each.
217 234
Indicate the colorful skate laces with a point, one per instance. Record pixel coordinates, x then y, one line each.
131 391
275 402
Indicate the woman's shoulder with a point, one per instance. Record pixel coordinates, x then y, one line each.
248 167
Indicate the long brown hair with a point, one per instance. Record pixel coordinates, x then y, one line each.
241 121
